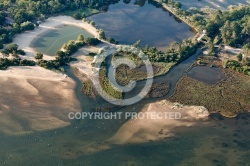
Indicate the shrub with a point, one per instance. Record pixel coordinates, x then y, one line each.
102 34
5 63
112 40
92 41
39 56
27 26
21 52
239 57
11 48
77 16
92 23
80 38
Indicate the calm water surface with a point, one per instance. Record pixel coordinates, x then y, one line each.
128 23
53 40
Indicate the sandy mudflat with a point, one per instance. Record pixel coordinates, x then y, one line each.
84 61
152 129
35 99
34 72
24 39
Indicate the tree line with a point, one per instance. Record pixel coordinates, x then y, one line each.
63 57
21 15
176 52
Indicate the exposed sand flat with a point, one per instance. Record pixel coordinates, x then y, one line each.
35 99
84 61
149 129
24 39
143 130
33 72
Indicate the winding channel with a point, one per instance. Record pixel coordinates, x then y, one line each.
172 77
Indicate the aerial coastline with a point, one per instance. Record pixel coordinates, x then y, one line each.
201 85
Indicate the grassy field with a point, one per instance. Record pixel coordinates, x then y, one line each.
228 98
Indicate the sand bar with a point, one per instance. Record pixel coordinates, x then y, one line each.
146 129
35 99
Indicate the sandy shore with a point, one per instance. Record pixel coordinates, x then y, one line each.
146 129
33 72
24 39
35 99
84 61
149 128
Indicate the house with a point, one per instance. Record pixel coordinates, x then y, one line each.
204 32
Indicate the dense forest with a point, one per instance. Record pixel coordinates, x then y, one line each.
230 27
27 10
177 52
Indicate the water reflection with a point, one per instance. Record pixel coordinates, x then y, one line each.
130 22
